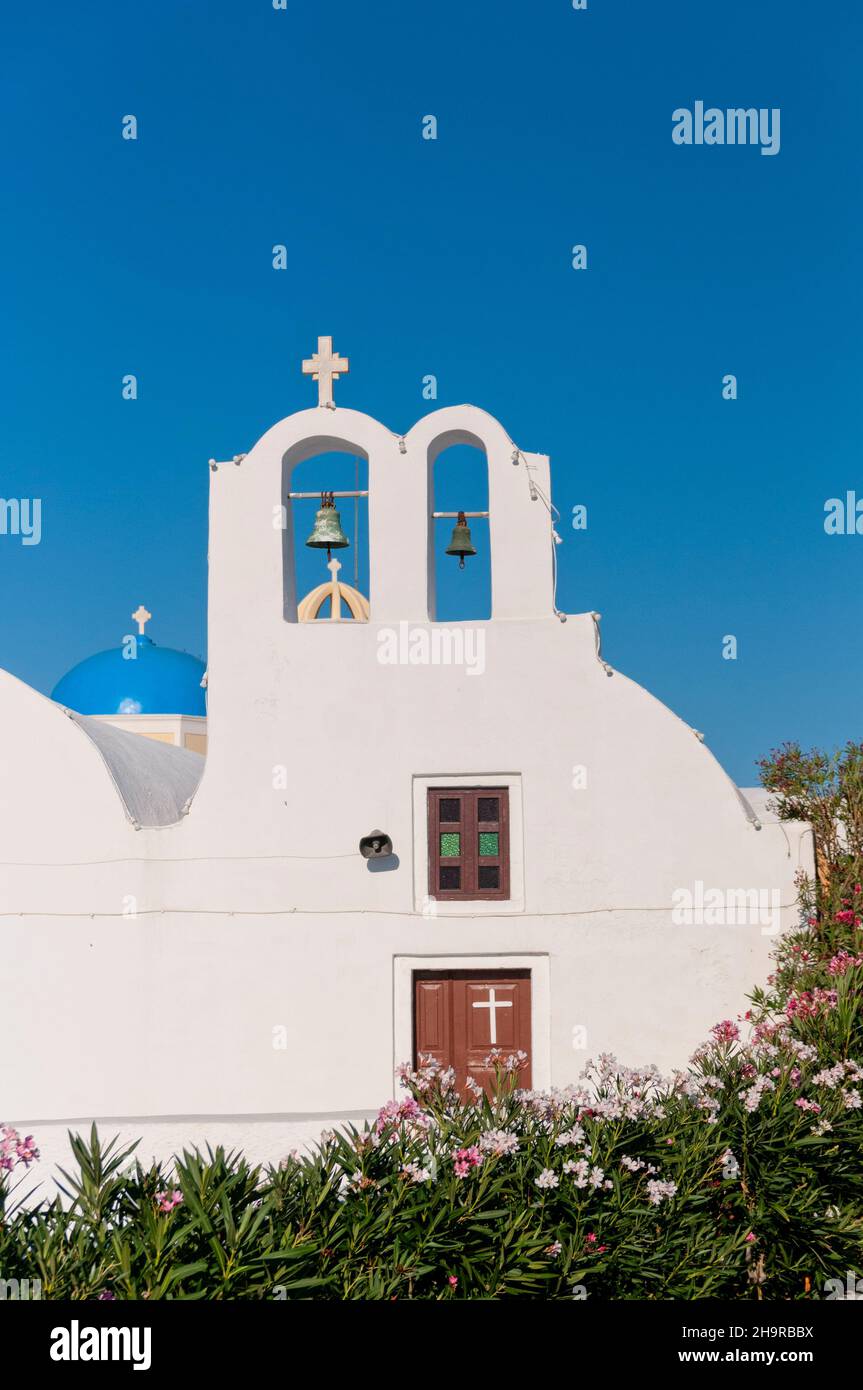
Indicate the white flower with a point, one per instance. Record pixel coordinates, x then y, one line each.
548 1178
659 1191
498 1141
415 1173
830 1076
579 1168
752 1098
569 1136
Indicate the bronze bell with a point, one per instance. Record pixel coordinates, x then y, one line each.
327 533
460 544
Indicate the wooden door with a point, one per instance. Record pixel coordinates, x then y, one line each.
460 1016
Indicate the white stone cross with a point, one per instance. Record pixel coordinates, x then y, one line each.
336 596
142 617
326 367
493 1005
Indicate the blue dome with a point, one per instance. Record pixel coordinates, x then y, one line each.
158 680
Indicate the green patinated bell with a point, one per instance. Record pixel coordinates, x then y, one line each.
327 533
461 544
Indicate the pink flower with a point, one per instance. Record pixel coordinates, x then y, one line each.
725 1032
842 962
513 1063
811 1003
14 1149
27 1150
751 1236
166 1201
452 1281
465 1159
396 1114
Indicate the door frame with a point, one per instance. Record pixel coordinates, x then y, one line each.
540 1003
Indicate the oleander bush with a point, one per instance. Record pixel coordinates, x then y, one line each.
740 1178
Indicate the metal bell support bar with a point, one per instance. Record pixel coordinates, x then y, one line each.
306 496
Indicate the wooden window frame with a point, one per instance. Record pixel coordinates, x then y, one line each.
469 828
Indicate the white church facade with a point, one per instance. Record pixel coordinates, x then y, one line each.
195 949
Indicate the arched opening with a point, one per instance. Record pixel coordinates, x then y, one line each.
460 484
314 577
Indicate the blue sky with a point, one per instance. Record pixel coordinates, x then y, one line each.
451 257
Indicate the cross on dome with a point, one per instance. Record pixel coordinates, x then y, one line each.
326 367
336 592
141 617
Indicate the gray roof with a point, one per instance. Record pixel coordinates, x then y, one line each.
155 781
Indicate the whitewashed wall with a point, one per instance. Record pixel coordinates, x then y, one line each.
256 912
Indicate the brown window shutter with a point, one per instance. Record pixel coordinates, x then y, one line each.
468 831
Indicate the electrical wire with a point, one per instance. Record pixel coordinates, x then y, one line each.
535 491
350 912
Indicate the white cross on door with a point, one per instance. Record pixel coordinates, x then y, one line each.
492 1004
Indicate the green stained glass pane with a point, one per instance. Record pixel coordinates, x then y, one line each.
450 845
488 843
